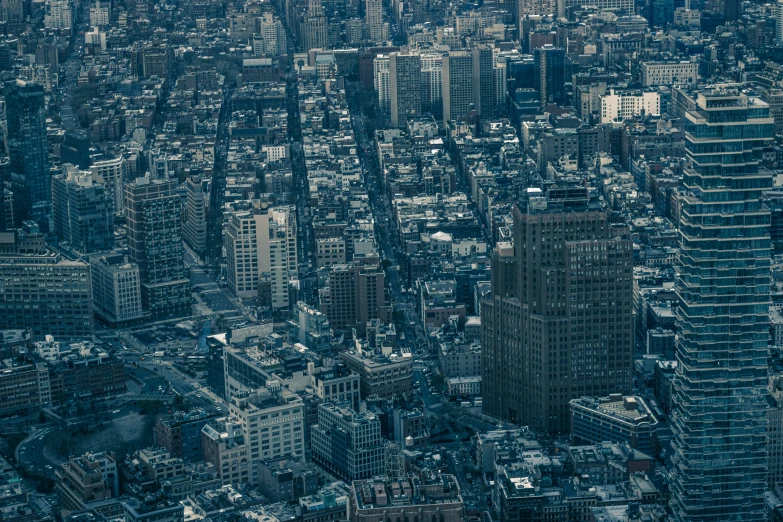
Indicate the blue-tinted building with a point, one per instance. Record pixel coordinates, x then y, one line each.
718 391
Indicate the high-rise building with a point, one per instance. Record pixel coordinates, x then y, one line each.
116 289
500 78
85 481
83 212
432 84
483 81
457 85
100 14
779 21
195 228
381 82
274 37
549 74
535 7
404 87
661 13
12 13
313 29
153 214
719 389
261 254
346 443
559 324
732 9
373 17
355 294
40 290
113 173
28 149
59 15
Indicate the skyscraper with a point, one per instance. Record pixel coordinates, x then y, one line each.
153 213
559 324
432 84
373 17
457 85
313 30
718 392
549 74
261 254
28 148
83 211
404 87
195 227
661 13
483 81
381 82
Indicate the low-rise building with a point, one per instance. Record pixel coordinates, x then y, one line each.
89 482
614 419
431 495
382 376
180 434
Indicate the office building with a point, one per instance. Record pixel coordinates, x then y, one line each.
273 34
194 229
615 419
75 149
28 149
661 13
775 431
59 15
180 434
40 290
84 483
83 212
336 384
116 289
381 80
373 17
732 10
669 73
624 106
432 84
555 330
483 81
535 7
223 445
347 444
24 386
313 30
310 327
549 74
100 14
618 6
778 22
355 294
404 87
381 375
720 386
153 214
457 71
112 172
261 255
425 497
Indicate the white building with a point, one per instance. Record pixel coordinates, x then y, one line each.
624 106
373 16
668 73
116 288
261 254
100 14
382 86
273 35
59 15
113 173
272 419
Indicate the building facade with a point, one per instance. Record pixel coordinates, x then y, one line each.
83 212
718 392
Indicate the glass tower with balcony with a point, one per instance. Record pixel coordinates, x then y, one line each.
719 412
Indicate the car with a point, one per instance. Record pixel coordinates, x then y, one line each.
198 395
116 412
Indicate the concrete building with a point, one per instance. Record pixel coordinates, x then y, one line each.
382 376
381 80
428 496
272 419
40 290
194 228
669 73
310 327
154 510
83 212
112 172
274 36
615 419
180 434
86 481
24 387
313 30
404 87
347 444
530 379
483 81
625 106
549 74
100 14
153 214
373 17
618 6
223 445
457 85
116 288
355 295
261 251
336 384
59 15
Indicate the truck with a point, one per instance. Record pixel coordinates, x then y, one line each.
159 353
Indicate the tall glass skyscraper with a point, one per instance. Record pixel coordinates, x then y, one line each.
719 412
28 148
